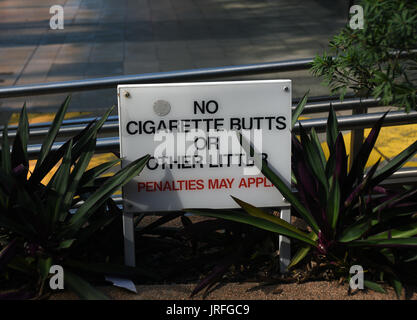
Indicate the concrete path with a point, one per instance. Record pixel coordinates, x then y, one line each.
114 37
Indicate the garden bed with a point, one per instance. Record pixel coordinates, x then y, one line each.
314 290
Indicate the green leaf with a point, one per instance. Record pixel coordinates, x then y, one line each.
357 229
400 232
76 176
89 134
411 258
299 109
44 265
66 244
316 142
107 189
258 213
388 254
253 221
299 256
293 178
302 252
313 158
332 129
289 196
394 200
395 164
386 243
58 186
82 288
354 231
53 158
97 224
53 131
281 185
373 286
359 162
19 150
91 174
398 287
333 204
362 187
5 152
80 141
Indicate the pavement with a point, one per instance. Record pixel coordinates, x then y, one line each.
104 38
115 37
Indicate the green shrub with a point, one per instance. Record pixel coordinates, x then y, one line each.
352 218
377 60
42 225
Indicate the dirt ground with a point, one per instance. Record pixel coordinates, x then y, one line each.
318 290
313 290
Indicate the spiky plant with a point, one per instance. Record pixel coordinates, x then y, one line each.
53 223
353 218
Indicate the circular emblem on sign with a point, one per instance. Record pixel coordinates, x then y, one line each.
161 107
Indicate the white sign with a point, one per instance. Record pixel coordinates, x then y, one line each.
189 129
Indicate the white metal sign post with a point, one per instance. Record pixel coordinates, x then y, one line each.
197 160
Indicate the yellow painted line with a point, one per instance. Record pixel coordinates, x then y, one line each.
391 141
48 117
95 161
44 117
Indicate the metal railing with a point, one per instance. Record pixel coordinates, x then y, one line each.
72 126
171 76
407 175
111 144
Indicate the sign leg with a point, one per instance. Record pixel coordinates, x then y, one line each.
129 239
285 244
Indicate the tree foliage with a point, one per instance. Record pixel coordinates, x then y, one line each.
379 60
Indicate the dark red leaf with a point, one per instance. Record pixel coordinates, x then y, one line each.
359 163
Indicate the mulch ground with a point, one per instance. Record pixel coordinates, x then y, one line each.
317 290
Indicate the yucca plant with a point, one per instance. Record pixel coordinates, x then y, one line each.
352 218
53 223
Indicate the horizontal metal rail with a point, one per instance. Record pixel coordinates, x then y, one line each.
360 121
71 126
348 104
315 104
108 126
111 144
403 176
171 76
66 122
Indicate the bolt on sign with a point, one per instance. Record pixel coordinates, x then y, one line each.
197 159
